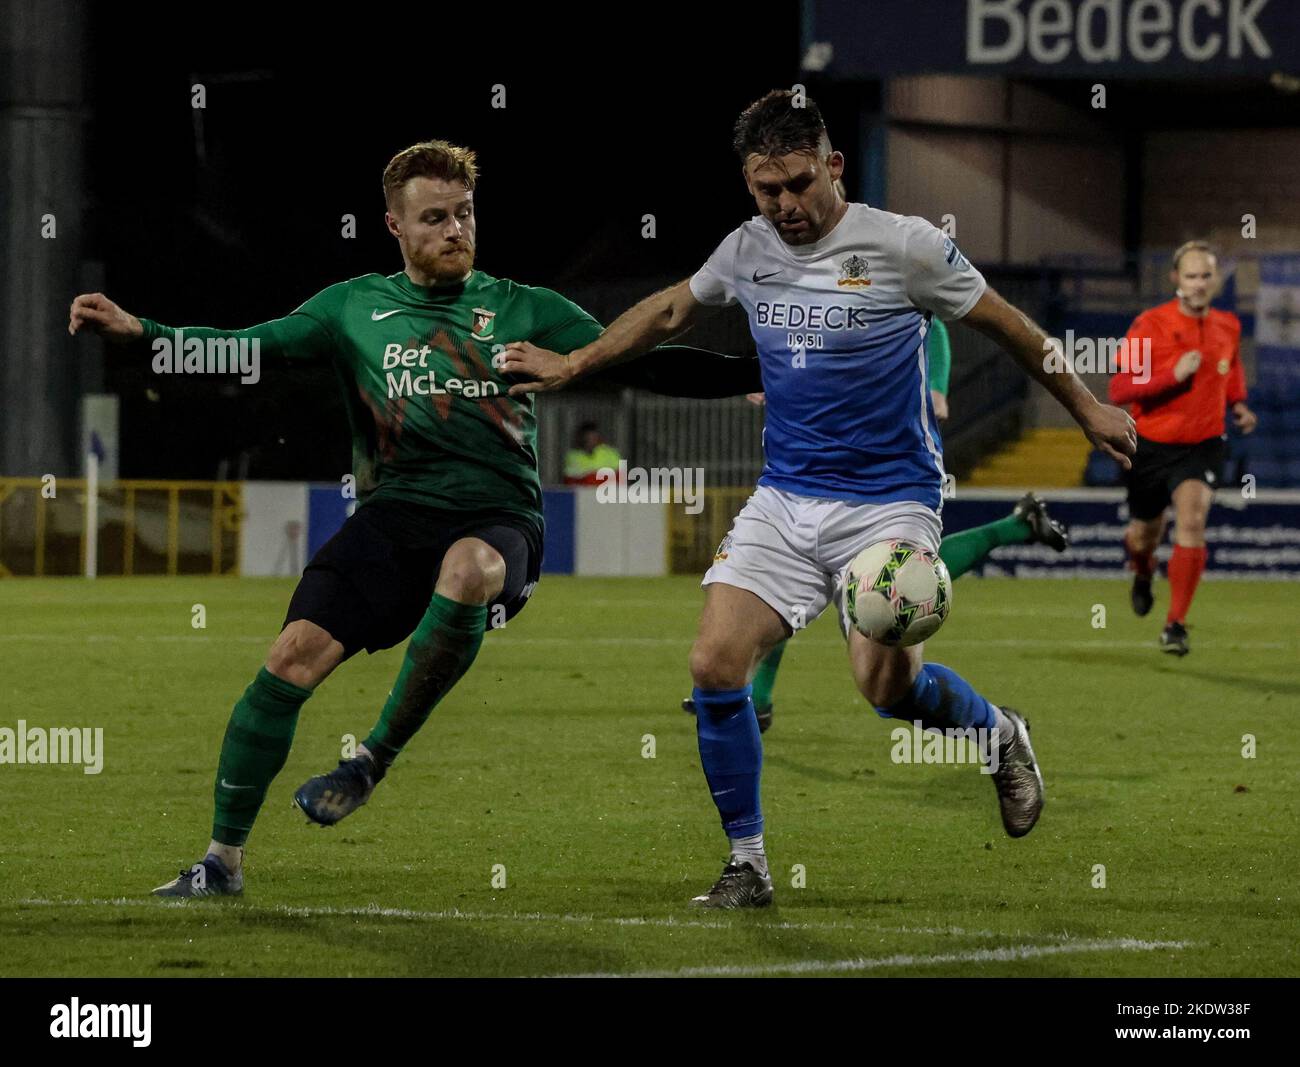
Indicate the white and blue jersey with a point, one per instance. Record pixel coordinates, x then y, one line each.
840 327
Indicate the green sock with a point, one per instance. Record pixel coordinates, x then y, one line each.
765 676
441 650
961 551
253 751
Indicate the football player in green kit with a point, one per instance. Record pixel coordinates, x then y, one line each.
447 539
1028 523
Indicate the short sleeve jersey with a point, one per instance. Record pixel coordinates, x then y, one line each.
840 327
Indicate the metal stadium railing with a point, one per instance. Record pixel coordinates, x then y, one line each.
143 527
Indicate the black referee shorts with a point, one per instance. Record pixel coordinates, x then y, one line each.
370 584
1158 469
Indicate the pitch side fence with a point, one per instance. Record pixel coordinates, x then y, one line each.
144 527
272 528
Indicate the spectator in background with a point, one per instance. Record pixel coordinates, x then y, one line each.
589 454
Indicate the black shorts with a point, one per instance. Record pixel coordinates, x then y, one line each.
1158 469
371 583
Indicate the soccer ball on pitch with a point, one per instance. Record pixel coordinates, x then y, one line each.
897 593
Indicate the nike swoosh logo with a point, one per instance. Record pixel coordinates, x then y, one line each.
375 316
723 792
763 277
227 785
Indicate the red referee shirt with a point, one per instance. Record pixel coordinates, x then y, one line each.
1187 412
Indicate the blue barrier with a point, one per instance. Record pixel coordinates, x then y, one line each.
1258 540
560 511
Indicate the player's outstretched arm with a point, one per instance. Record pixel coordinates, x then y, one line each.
301 334
1108 428
654 320
94 311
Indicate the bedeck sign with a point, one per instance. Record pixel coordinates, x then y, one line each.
1070 38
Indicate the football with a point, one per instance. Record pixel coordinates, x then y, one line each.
897 593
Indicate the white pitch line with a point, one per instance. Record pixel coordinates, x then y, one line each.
1009 954
374 911
1065 943
378 911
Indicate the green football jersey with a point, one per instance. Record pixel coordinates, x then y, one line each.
432 421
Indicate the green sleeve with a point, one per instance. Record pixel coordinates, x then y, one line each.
302 334
938 354
560 325
671 370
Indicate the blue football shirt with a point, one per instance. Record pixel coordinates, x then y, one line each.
841 327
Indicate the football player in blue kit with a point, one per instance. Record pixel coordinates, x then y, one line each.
839 297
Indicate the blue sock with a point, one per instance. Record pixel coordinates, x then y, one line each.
942 700
732 756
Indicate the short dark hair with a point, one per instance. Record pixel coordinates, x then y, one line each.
430 159
774 126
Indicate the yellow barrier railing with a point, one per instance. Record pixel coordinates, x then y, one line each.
693 539
144 526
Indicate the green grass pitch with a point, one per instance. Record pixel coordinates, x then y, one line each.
536 763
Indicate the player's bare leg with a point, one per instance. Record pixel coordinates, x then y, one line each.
1141 540
1192 500
304 654
737 629
1028 523
445 643
883 674
900 685
254 750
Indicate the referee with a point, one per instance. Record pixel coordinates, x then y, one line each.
1194 373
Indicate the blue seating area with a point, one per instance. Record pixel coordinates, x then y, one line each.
1272 452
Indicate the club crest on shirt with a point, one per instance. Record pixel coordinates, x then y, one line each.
482 330
1223 366
724 549
853 272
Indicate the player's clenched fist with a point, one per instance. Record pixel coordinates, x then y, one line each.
1243 417
1113 431
548 370
97 312
1188 364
